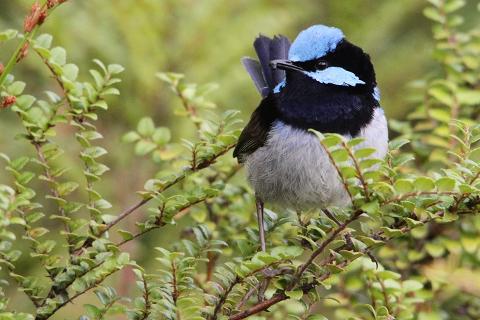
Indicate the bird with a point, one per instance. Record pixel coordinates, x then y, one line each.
320 81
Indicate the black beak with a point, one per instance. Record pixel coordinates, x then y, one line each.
284 65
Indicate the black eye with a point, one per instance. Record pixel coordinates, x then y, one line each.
322 65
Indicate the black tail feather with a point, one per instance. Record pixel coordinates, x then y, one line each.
262 46
278 50
267 49
254 69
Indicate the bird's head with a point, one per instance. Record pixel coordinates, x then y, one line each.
321 55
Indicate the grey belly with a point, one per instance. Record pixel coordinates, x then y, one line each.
292 169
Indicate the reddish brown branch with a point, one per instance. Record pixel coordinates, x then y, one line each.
260 307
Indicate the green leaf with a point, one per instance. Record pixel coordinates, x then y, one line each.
115 69
94 152
469 97
58 56
365 152
355 141
110 91
453 5
387 274
146 127
8 35
424 184
371 207
403 186
97 77
25 101
294 294
144 147
340 155
440 115
67 188
131 136
470 243
445 184
20 163
411 285
17 220
161 136
434 249
433 14
102 204
125 234
44 41
397 143
16 88
93 311
70 71
283 252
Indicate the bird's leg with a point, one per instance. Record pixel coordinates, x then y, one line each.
261 230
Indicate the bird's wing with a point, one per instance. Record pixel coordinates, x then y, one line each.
267 49
255 134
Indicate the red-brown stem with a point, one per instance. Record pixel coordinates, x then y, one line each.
260 307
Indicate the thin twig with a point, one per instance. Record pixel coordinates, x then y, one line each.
223 298
78 294
161 223
326 242
334 163
53 190
359 171
260 306
385 295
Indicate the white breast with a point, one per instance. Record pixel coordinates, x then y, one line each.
293 170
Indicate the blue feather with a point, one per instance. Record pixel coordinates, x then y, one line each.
335 75
279 86
315 42
376 94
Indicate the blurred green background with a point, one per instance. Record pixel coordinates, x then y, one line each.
205 40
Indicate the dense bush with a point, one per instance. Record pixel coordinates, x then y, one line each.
411 229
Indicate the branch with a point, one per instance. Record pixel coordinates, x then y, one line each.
161 223
54 192
268 303
146 298
325 243
224 296
202 165
260 307
359 171
78 294
190 109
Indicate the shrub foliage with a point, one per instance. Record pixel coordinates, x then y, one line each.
412 225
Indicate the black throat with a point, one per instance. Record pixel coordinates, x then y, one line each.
305 103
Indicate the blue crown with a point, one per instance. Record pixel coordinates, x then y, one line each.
315 42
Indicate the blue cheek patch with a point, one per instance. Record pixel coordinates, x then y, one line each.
315 42
376 94
279 87
336 76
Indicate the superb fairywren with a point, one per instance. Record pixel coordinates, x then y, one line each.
323 82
